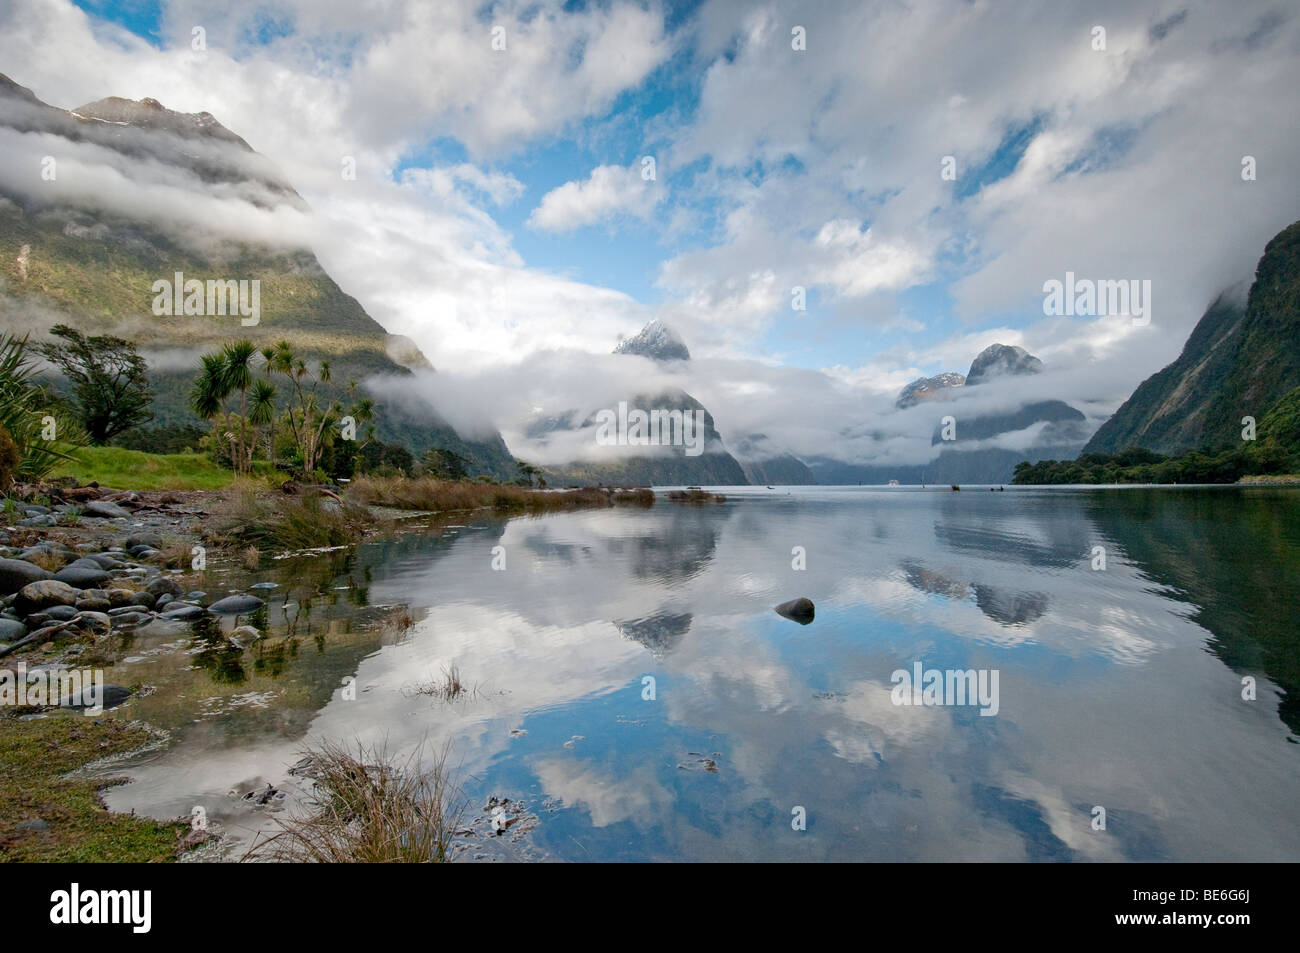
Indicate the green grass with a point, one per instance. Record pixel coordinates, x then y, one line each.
121 469
34 757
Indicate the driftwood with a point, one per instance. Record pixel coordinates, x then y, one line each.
292 489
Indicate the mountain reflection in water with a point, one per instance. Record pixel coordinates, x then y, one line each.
1119 688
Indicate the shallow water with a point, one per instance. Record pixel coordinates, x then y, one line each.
1119 688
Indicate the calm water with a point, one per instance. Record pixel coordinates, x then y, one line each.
1119 688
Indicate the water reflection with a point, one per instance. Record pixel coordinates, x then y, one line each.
1108 693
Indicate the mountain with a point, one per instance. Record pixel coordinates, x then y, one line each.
656 462
656 340
1239 361
988 446
81 255
632 465
1062 428
929 388
1002 360
765 463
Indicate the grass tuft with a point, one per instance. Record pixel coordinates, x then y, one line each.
366 809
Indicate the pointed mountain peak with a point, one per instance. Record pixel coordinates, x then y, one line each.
657 341
1001 360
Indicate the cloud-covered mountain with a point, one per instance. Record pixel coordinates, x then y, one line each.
975 438
1239 361
1002 360
656 340
99 203
928 388
607 444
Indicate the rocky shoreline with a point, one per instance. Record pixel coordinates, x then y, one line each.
75 572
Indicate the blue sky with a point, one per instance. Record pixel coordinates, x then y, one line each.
625 254
499 220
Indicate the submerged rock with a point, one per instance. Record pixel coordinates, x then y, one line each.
799 610
111 697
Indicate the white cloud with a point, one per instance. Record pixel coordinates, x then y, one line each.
608 192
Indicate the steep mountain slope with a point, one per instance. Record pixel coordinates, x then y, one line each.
1236 363
929 388
767 464
84 260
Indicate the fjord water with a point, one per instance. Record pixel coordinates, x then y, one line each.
1119 688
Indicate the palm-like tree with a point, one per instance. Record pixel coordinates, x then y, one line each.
261 413
208 396
237 359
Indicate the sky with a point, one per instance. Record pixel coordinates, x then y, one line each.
919 170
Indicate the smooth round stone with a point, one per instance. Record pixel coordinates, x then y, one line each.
111 697
163 585
236 605
102 509
82 577
16 573
799 610
265 585
11 630
105 561
120 597
182 612
94 600
36 596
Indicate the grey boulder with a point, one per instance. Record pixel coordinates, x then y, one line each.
45 594
82 577
102 509
16 573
